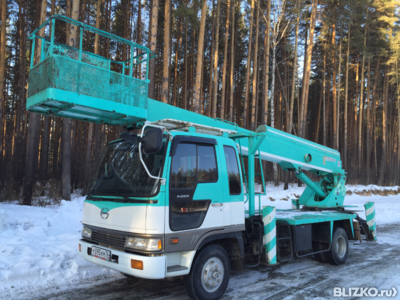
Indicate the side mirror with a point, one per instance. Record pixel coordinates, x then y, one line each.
152 140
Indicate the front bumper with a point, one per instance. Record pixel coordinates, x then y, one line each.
153 267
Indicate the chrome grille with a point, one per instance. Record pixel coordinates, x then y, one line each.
117 241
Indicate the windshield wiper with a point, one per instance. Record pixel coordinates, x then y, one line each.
92 196
125 200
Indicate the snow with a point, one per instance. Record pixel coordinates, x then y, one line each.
39 249
387 208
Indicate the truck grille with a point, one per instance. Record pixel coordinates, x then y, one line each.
117 241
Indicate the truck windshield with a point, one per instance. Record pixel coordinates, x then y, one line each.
120 172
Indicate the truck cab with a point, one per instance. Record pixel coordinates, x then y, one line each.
153 227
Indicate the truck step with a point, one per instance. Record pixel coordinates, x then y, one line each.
176 268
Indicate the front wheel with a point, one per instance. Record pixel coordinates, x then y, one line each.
210 273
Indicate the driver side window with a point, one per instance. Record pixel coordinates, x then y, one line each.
193 164
184 171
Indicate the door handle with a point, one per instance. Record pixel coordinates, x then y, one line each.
216 204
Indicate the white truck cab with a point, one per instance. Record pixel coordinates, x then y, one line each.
156 227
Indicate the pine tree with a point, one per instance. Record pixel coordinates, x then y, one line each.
200 56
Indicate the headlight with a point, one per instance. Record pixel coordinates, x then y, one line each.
143 244
86 232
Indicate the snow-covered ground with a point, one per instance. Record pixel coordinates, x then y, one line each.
387 208
39 251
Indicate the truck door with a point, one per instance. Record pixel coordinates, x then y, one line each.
195 190
234 210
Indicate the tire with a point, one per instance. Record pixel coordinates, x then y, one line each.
323 257
214 262
340 247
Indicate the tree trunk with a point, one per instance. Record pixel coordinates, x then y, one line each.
368 159
255 66
215 89
290 127
165 78
264 118
223 88
97 37
248 67
398 120
44 156
139 35
334 98
88 157
273 84
318 118
18 142
3 42
324 136
355 139
361 107
109 29
346 92
274 44
307 64
56 146
153 47
66 129
178 44
232 62
382 170
338 87
46 131
34 123
192 73
200 57
210 82
125 35
184 98
374 106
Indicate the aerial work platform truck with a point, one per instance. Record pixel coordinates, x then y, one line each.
169 196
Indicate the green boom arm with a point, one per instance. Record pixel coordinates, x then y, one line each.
290 152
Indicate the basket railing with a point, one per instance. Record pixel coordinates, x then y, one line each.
85 72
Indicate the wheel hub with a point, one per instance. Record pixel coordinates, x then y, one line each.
341 247
212 274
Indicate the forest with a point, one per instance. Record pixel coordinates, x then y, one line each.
324 70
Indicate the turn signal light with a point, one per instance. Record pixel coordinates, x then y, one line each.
159 245
79 247
174 241
137 264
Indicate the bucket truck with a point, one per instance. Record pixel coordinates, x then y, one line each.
171 200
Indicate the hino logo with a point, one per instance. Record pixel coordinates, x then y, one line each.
182 196
104 213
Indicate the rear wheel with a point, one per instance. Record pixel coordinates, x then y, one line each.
323 257
210 274
340 247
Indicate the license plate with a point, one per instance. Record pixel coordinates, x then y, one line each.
101 253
